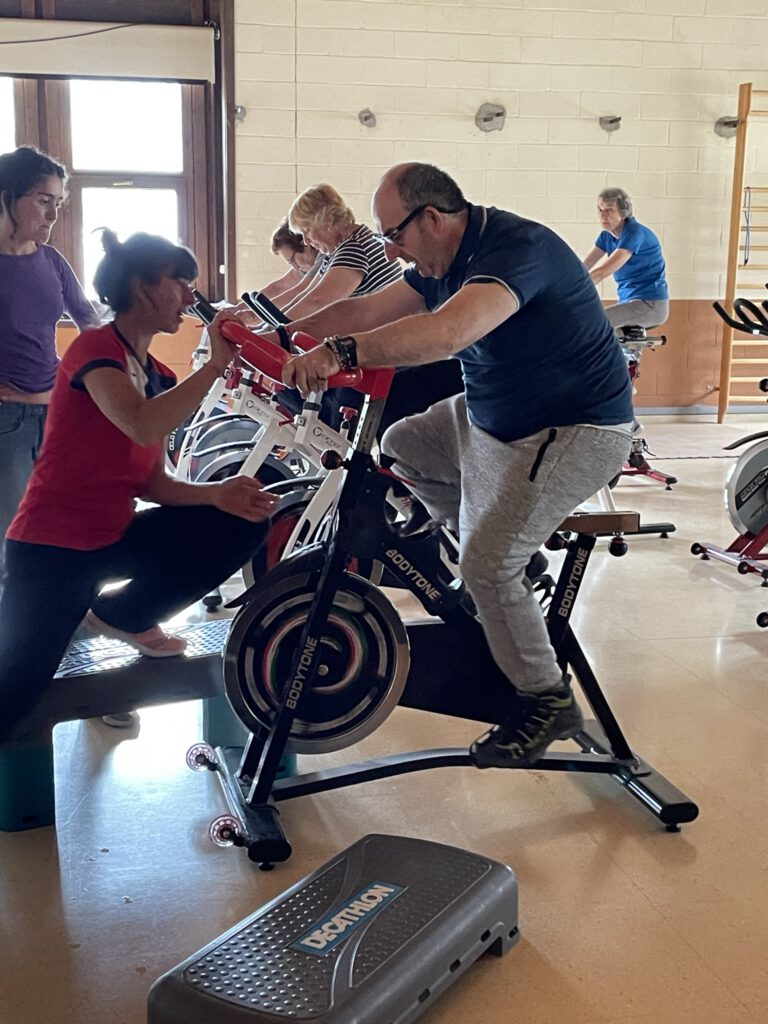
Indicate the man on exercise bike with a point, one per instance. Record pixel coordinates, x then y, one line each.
544 423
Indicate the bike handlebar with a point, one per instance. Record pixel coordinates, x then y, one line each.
202 307
269 359
267 310
741 306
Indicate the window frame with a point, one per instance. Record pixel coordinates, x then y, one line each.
66 235
207 182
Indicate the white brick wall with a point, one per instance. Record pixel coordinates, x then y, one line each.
670 68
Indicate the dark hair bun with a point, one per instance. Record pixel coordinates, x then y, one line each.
141 257
109 240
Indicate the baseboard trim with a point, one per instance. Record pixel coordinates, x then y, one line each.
696 410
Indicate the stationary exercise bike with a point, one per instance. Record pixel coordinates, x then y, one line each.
634 340
271 435
746 489
245 426
237 422
317 656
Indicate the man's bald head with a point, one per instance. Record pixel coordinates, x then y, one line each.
417 184
421 213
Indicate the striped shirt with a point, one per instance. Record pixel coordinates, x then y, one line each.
364 252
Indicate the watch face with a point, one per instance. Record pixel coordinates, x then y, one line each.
348 347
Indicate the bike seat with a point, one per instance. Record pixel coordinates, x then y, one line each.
633 332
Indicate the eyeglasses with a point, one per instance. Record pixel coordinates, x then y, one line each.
391 235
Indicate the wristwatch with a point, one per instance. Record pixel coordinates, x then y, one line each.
344 350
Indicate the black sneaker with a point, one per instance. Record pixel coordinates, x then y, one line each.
418 520
538 721
537 566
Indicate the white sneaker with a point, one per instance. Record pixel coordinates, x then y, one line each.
152 642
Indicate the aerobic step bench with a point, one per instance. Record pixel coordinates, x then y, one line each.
101 676
372 937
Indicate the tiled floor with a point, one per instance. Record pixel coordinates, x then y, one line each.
621 921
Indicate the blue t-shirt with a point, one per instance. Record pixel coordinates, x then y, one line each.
643 275
553 363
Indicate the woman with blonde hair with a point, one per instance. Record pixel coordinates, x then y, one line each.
354 262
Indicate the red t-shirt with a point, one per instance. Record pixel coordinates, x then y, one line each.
82 489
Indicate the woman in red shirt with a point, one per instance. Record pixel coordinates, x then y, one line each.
113 404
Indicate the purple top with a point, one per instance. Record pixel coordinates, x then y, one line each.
34 292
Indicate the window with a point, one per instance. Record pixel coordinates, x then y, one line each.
125 210
128 147
126 126
127 164
7 116
143 155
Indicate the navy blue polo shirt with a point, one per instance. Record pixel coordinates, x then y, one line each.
553 363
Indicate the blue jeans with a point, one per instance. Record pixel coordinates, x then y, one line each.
21 434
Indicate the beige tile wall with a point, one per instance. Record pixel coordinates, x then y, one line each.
670 68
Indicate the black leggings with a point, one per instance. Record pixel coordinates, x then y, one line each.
172 556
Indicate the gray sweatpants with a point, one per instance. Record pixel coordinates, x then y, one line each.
504 500
638 312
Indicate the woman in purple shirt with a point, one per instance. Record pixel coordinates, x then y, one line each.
37 286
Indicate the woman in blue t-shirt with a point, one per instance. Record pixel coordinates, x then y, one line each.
632 253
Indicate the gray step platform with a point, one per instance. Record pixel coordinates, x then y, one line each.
371 937
96 677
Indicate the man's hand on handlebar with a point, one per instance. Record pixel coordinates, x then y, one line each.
311 371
